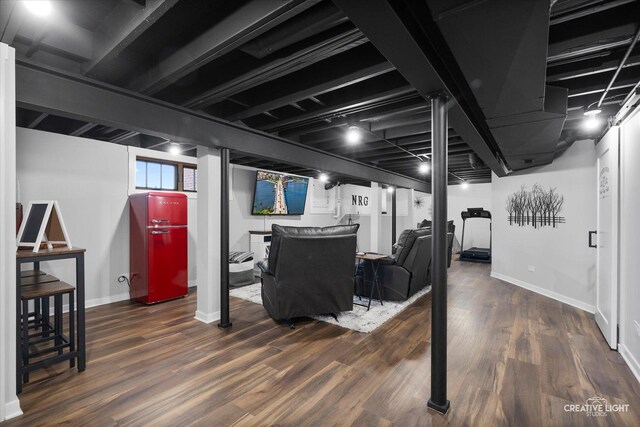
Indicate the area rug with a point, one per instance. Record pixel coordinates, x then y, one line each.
359 319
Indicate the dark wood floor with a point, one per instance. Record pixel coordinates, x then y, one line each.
515 358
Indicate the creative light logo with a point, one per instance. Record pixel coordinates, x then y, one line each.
596 407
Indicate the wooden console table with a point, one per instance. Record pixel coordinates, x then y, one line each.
28 256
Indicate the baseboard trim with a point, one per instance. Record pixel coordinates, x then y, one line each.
631 361
95 302
207 317
547 293
12 409
193 283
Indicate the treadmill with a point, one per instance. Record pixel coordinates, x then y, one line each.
475 254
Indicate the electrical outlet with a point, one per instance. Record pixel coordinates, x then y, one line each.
637 325
532 268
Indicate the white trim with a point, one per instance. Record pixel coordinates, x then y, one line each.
632 362
134 152
207 318
12 409
96 302
106 300
609 143
193 283
9 404
547 293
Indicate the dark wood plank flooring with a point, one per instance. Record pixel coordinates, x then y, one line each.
515 359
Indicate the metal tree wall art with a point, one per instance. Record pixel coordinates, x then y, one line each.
536 207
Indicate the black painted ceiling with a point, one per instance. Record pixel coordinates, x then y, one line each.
299 69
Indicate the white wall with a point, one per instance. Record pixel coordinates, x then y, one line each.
564 264
90 181
474 196
459 199
629 232
241 220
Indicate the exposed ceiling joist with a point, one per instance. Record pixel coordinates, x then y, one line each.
35 122
249 21
591 43
329 85
606 67
11 17
38 88
59 35
407 36
336 110
279 67
559 18
121 27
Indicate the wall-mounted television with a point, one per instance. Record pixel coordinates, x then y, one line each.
279 194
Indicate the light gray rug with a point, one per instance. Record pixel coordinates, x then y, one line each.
359 319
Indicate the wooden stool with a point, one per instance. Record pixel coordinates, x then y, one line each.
44 291
40 312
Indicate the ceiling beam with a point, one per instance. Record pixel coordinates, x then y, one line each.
606 67
35 122
11 18
376 112
83 129
590 90
318 89
336 110
126 22
406 34
249 21
559 18
591 43
278 68
47 90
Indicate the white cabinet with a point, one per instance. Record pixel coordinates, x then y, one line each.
259 244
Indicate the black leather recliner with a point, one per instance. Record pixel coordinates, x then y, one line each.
406 271
451 228
309 271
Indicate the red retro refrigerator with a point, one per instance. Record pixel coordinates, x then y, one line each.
158 246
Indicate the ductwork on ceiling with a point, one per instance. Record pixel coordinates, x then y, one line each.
501 47
475 162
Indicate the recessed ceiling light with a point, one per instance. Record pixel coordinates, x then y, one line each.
423 168
38 7
464 185
175 149
323 177
353 135
390 189
591 123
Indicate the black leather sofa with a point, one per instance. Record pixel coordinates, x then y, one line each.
309 271
403 273
451 228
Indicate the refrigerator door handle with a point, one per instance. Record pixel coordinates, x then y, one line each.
159 232
159 221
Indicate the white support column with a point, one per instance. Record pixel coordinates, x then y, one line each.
375 217
9 404
208 241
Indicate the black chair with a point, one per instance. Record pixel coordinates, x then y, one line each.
451 228
406 271
309 271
